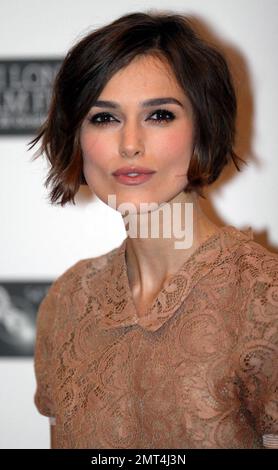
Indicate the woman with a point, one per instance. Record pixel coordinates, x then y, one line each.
154 344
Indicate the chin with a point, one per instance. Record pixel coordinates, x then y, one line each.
133 204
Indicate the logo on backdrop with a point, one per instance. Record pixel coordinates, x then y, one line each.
25 90
19 304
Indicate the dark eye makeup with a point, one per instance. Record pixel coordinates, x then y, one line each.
103 119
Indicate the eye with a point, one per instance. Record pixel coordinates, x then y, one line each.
162 115
101 119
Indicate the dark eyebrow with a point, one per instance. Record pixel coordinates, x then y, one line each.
144 104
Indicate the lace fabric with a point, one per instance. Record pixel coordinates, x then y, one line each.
199 370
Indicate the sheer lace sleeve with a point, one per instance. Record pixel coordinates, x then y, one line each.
256 357
43 352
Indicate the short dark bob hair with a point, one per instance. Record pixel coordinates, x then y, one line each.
200 69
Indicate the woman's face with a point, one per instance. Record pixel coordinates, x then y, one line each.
159 137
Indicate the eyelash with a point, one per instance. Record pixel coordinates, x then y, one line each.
93 120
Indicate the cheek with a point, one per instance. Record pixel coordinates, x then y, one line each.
175 147
95 150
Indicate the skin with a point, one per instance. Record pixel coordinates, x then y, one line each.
134 136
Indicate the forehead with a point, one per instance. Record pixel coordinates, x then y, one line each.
144 74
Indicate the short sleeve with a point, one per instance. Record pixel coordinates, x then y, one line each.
43 352
256 356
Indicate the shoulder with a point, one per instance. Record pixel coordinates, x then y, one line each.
262 271
253 260
73 285
252 270
260 267
257 281
74 277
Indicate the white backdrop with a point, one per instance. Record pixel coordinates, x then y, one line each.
39 241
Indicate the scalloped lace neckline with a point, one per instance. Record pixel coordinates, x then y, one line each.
170 297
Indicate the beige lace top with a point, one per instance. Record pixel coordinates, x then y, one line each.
198 371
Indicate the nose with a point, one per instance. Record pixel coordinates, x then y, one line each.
131 143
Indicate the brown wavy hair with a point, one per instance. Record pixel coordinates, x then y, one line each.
200 69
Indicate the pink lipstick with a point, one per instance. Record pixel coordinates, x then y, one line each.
132 175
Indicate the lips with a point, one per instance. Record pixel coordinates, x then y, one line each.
133 169
130 180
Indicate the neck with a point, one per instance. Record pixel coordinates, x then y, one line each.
151 260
